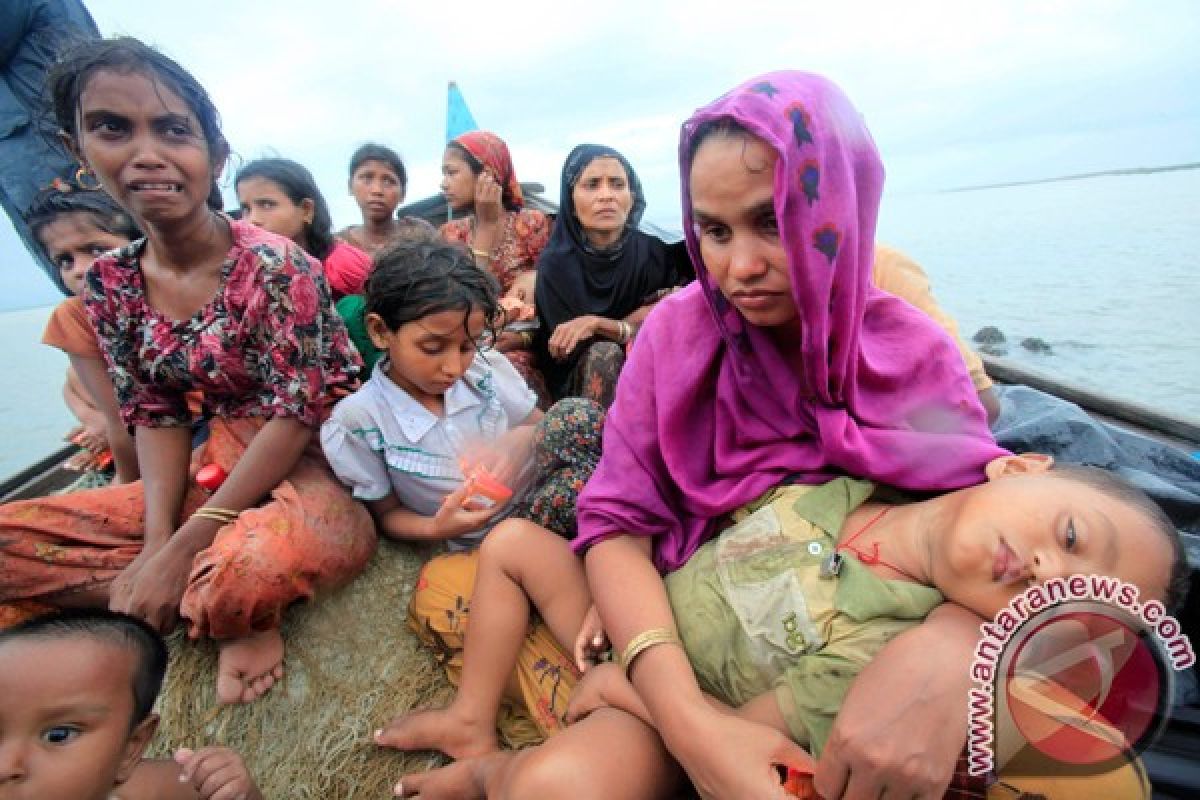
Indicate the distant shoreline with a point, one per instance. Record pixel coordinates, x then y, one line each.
1079 177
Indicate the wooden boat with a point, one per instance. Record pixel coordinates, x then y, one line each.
1173 762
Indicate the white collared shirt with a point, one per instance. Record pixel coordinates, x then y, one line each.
380 440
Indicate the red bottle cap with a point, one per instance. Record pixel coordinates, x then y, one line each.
800 784
211 476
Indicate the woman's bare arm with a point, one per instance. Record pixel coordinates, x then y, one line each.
94 377
903 723
725 755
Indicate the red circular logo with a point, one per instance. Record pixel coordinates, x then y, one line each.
1085 685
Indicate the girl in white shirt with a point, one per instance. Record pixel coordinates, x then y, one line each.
434 399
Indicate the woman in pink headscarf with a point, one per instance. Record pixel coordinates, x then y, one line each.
780 364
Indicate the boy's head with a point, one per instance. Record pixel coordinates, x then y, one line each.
74 228
78 689
1033 521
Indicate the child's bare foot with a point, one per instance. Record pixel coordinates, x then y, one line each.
447 730
249 666
462 780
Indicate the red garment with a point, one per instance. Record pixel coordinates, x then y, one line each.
269 343
308 535
346 269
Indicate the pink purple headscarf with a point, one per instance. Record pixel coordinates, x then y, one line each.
710 414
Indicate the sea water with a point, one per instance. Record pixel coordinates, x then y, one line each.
33 416
1101 269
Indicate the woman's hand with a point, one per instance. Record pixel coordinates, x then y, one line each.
904 721
488 201
122 585
570 334
592 642
153 589
729 758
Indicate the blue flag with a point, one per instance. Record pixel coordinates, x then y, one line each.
458 116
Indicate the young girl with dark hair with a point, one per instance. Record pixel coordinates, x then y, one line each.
434 400
281 196
378 182
75 228
207 304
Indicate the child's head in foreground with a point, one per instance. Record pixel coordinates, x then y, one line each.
428 307
78 688
75 228
1033 521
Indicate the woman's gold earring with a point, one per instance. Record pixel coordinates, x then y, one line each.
85 172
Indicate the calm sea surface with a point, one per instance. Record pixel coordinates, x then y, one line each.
1103 269
1106 270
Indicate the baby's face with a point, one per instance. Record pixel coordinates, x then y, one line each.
523 287
64 718
1023 530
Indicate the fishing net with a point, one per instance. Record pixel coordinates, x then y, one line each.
352 664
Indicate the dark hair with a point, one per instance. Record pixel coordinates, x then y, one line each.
1123 491
102 211
411 280
386 155
721 126
122 630
298 184
69 77
474 163
50 204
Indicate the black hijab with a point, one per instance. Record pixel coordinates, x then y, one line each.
575 279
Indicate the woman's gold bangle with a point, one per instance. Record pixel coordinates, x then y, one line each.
644 641
624 332
475 251
222 515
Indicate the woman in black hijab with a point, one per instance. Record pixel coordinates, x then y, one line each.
599 276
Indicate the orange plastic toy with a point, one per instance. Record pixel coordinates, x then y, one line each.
800 784
484 490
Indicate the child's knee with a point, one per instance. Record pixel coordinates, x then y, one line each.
542 772
508 545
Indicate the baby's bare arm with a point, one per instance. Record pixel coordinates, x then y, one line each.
213 773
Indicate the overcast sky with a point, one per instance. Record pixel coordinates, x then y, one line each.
956 93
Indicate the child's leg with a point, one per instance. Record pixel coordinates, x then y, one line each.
519 563
610 755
